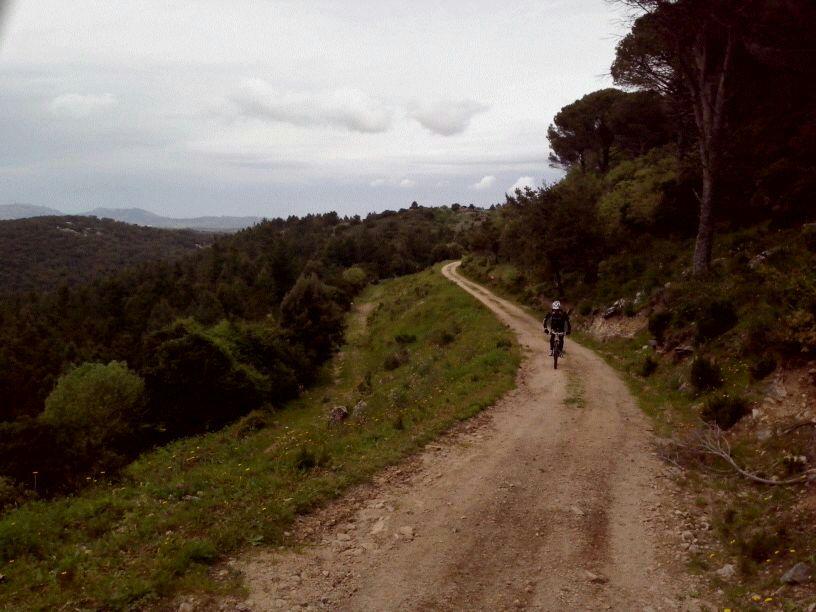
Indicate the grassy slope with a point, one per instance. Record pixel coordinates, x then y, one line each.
184 506
762 530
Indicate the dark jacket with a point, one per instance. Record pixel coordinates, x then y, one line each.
557 321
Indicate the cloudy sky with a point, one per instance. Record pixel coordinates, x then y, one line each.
278 107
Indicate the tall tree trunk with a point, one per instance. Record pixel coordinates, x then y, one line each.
708 89
705 227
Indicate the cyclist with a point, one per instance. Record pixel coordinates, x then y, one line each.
557 320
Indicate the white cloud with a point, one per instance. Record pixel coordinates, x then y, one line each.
348 108
521 183
446 118
486 182
81 105
406 183
378 182
175 134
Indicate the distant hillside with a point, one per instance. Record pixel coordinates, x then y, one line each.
43 253
24 211
135 216
139 216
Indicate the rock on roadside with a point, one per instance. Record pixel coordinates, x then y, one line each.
798 574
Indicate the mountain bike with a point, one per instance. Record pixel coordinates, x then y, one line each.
558 347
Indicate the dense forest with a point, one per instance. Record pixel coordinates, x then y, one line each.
93 374
44 253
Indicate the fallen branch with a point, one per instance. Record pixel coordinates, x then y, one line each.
798 425
711 441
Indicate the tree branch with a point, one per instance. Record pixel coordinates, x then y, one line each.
711 441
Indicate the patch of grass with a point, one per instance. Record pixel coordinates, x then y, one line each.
575 391
131 543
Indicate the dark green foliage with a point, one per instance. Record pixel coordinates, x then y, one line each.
762 367
705 374
261 310
396 359
313 313
10 493
724 410
754 537
552 233
716 317
659 322
95 405
254 421
193 384
405 338
809 236
46 253
178 562
305 459
648 366
760 545
584 133
445 335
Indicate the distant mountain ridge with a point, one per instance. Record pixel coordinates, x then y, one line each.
24 211
134 216
139 216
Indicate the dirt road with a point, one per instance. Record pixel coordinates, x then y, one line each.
546 501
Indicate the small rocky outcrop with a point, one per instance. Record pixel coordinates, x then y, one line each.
798 574
338 414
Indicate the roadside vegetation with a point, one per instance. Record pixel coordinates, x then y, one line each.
420 354
682 238
242 324
715 355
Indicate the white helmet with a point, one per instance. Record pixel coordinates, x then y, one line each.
556 305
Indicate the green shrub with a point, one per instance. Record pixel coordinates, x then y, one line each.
178 562
254 421
760 545
355 277
405 338
809 236
724 410
396 359
716 318
194 384
94 405
305 459
762 367
312 312
648 366
659 322
9 493
759 324
585 309
445 335
705 374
